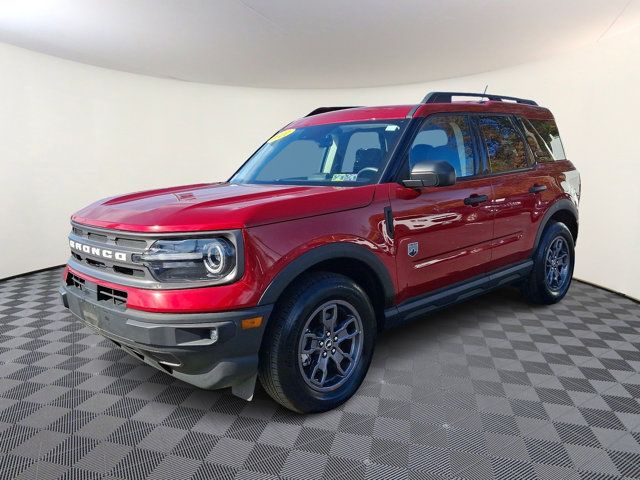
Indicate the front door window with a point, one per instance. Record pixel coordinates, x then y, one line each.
445 138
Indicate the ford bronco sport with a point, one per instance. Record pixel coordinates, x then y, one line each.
348 221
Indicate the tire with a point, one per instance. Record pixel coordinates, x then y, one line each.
293 361
542 287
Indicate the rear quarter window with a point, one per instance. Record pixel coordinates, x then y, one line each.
547 131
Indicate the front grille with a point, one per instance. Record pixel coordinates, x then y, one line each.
95 263
111 295
128 271
118 238
97 237
75 281
131 243
132 272
114 256
114 241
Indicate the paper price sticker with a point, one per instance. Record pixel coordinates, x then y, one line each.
282 134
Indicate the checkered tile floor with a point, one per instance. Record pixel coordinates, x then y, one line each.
493 388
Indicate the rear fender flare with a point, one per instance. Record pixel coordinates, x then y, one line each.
562 204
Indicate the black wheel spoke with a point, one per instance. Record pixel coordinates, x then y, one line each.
329 317
331 345
337 358
320 368
557 264
311 342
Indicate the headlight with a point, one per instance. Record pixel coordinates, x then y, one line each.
199 259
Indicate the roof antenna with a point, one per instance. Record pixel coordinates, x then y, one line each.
485 92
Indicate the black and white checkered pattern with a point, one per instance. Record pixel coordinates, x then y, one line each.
493 388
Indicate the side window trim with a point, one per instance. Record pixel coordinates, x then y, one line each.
517 124
395 166
483 169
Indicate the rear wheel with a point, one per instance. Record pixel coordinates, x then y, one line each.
318 344
553 264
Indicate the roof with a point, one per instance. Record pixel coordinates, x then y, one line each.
389 112
398 112
528 111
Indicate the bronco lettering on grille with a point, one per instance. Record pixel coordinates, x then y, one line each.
98 252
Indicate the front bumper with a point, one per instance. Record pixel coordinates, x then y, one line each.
179 344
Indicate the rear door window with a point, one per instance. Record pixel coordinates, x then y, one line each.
504 143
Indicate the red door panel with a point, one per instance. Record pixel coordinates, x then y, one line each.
512 206
453 239
518 211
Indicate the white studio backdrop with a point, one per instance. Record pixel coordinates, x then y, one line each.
73 133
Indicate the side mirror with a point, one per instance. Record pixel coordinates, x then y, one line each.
429 173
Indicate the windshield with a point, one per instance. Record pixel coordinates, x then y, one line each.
345 154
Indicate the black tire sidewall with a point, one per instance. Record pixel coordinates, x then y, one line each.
333 287
554 231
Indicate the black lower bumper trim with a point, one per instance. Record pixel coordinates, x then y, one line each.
182 345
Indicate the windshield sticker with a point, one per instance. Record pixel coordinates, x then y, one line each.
344 177
392 128
281 134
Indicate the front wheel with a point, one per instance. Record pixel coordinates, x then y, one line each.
553 264
318 344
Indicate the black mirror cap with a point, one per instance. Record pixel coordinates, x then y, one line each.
431 173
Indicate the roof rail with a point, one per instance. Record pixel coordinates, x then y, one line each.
320 110
446 97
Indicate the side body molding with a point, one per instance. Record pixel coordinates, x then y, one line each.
320 254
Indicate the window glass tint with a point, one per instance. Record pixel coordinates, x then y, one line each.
445 138
505 148
295 160
358 142
538 146
548 131
341 154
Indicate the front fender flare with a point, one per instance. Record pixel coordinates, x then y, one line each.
328 252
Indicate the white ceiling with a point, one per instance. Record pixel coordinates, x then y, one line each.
310 44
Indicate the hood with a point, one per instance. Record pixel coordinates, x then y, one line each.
219 206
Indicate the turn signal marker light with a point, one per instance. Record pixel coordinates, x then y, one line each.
253 322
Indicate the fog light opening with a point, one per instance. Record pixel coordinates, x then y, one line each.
213 335
167 368
168 363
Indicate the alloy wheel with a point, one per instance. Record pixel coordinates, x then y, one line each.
330 346
556 267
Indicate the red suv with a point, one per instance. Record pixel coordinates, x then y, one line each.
348 221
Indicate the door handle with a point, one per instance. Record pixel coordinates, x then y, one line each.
475 199
537 188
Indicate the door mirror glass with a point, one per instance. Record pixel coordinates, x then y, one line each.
431 173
